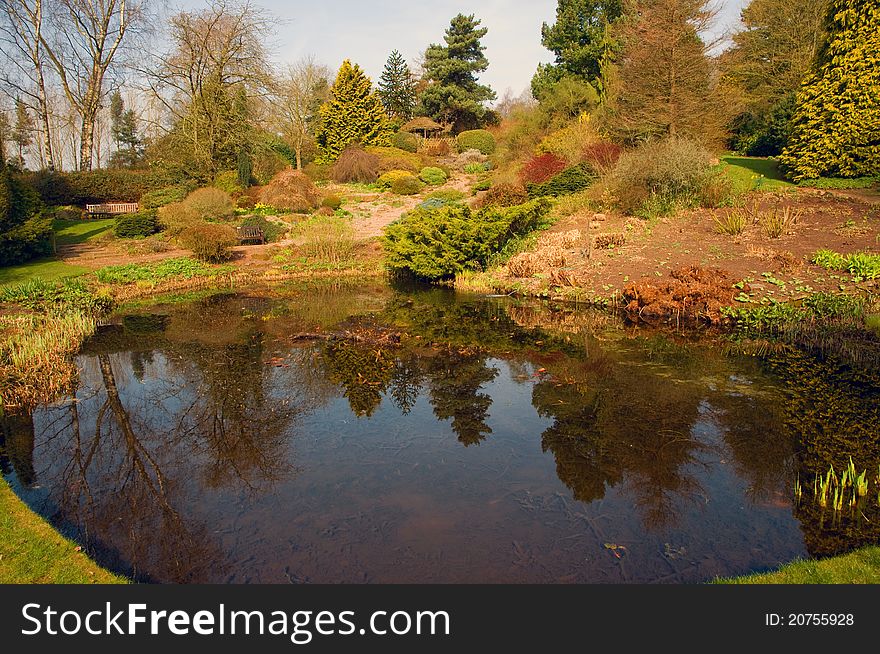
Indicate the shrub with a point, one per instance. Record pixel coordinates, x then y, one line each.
272 230
209 242
68 213
436 244
504 195
437 148
317 172
477 139
397 159
210 204
570 141
475 168
291 190
568 182
602 156
388 179
409 185
406 141
136 225
28 240
482 185
433 176
333 202
355 165
96 187
227 181
174 218
661 175
448 195
732 223
164 196
542 168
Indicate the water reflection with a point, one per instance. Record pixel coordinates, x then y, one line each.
360 434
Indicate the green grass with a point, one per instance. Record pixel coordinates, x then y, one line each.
72 232
32 552
182 268
861 567
46 269
754 173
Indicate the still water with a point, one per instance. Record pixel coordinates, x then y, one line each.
364 434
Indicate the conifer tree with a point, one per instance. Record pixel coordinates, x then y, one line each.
22 131
124 130
397 87
353 114
453 95
836 123
5 131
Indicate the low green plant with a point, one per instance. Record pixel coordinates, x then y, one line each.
136 225
569 181
407 185
475 168
433 176
841 183
477 139
861 265
732 223
482 185
180 268
58 297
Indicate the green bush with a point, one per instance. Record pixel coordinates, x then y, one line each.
332 202
209 242
29 240
438 243
227 181
568 182
476 168
504 195
136 225
272 230
164 196
660 176
387 180
210 204
97 186
482 185
409 185
477 139
433 176
406 141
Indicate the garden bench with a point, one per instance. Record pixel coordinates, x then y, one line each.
111 209
251 234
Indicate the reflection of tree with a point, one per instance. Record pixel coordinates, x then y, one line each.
364 373
406 383
455 379
630 424
17 447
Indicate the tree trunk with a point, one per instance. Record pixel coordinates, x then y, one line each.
87 133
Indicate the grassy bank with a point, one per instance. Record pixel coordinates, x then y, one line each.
32 552
861 567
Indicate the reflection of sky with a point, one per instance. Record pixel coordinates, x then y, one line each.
368 32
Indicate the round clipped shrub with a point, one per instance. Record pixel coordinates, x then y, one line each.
406 141
355 165
210 204
409 185
387 180
209 241
291 190
433 176
477 139
332 201
136 225
504 195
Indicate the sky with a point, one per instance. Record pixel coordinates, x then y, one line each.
366 32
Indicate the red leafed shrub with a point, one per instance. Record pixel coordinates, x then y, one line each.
542 168
602 156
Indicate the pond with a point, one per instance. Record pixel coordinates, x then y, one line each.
333 433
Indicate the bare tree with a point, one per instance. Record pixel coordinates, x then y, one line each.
87 37
298 94
21 29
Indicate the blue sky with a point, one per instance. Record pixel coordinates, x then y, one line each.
366 32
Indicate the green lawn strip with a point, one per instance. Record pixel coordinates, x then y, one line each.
45 269
753 173
32 552
860 567
72 232
182 268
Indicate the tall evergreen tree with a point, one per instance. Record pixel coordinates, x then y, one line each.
353 114
124 131
582 41
22 131
836 123
5 133
453 95
397 87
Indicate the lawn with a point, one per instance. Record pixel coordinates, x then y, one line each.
753 173
31 551
46 269
861 567
72 232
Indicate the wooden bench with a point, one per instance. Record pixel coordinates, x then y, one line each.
250 235
111 209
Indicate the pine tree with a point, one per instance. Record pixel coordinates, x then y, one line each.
5 133
22 131
836 124
582 41
353 114
124 130
397 87
453 95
